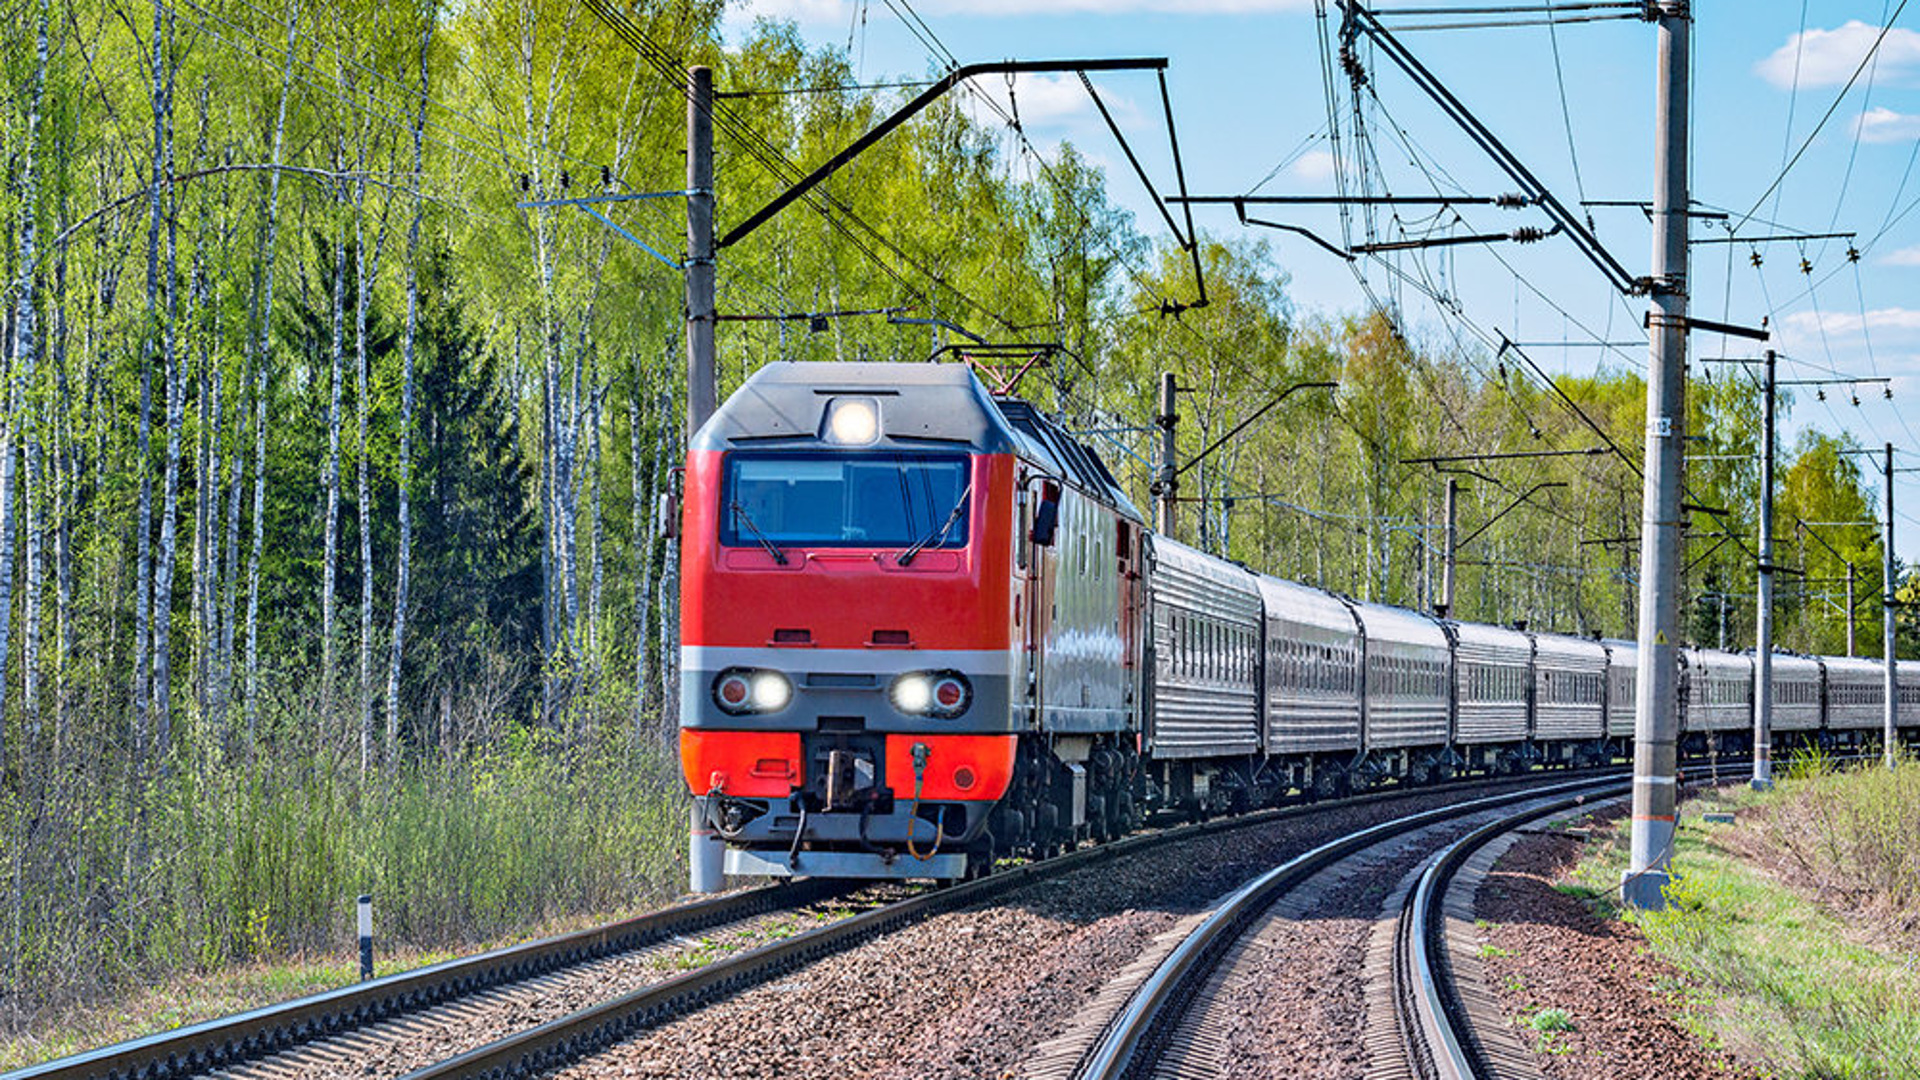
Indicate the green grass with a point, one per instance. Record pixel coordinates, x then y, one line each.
221 886
1786 981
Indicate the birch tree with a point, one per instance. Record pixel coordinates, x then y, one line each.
403 556
25 348
263 385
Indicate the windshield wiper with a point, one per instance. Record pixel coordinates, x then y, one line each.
939 535
779 556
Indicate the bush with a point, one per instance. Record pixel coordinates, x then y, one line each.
208 865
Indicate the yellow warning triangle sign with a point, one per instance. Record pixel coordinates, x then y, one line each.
1659 637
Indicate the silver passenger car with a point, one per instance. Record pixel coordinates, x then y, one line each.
1623 676
1907 714
1492 668
1406 672
1206 643
1313 652
1569 688
1716 692
1856 694
1796 692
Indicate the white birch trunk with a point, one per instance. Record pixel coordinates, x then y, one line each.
403 557
669 601
642 558
331 478
364 279
169 509
143 544
262 384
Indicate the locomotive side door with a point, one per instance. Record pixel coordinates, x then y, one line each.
1040 509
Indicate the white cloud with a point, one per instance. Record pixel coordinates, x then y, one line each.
804 12
1829 57
1314 166
1883 125
1906 256
1051 100
1843 322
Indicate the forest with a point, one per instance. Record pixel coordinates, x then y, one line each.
329 553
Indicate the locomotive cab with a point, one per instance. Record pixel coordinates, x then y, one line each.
846 620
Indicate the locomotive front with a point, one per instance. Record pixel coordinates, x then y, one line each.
847 620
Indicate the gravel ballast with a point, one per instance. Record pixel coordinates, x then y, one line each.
1544 950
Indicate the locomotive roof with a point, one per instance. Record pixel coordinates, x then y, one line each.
1066 456
921 406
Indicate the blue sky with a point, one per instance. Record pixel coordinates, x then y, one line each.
1250 106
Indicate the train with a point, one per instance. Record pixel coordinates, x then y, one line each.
924 628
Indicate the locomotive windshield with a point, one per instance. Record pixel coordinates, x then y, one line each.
856 499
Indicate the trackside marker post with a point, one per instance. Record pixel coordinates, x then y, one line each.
366 936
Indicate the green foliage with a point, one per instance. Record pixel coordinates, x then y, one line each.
1794 982
234 867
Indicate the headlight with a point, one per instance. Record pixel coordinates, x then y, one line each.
739 691
853 421
939 694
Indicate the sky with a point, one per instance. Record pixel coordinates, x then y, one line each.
1782 146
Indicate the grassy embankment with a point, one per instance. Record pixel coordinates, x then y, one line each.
1796 930
212 891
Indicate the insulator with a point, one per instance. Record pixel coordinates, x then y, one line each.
1755 258
1806 266
1529 234
526 183
1512 200
1887 392
606 177
1856 399
1501 369
1853 254
565 180
1820 395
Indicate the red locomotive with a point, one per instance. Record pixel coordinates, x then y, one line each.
910 622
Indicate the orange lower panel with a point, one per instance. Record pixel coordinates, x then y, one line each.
749 764
989 758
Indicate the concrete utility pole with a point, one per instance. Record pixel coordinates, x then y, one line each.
702 389
1849 611
1452 542
706 852
1656 719
1169 475
1887 608
1763 604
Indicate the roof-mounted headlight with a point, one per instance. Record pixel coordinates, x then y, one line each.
852 421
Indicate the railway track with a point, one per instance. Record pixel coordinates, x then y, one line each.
1171 1014
336 1025
356 1025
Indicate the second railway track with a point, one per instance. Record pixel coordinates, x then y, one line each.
1181 1010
